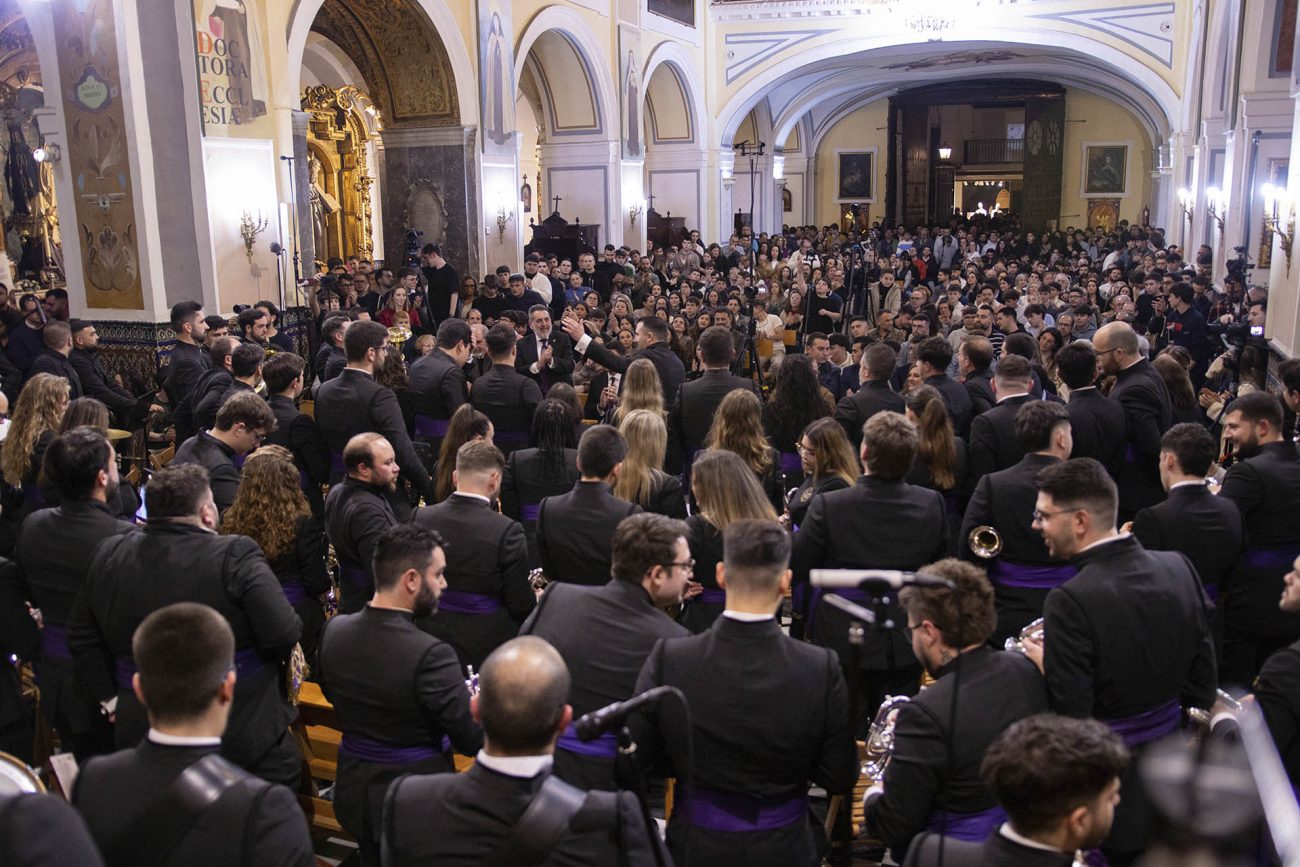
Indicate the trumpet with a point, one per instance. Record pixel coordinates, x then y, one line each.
985 542
397 335
880 738
471 682
1200 717
537 580
1033 630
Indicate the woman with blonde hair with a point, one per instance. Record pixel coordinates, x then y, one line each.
738 427
724 493
641 390
829 464
270 509
642 479
33 424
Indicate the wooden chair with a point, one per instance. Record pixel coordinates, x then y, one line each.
317 733
163 457
857 815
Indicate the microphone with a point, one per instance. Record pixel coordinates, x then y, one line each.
592 725
894 579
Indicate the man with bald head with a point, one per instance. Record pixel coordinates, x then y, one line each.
479 816
357 513
1147 412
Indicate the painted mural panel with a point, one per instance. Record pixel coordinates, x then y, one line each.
496 59
230 54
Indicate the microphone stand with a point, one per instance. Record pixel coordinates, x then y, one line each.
628 770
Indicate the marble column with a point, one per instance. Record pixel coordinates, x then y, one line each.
306 240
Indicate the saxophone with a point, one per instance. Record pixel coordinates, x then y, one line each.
880 739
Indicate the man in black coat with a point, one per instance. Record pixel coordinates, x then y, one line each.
353 403
443 282
1140 390
1022 572
241 426
95 381
504 395
1073 765
1128 637
54 359
544 354
137 803
1264 483
53 551
189 357
933 354
768 714
605 633
398 692
933 783
215 380
462 820
975 364
179 558
993 443
1097 423
881 522
357 513
43 830
1193 521
294 429
438 386
330 358
697 401
875 395
574 529
246 375
487 594
652 344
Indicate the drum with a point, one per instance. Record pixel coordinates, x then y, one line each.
116 435
764 347
16 778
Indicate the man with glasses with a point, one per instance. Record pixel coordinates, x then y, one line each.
242 423
1127 640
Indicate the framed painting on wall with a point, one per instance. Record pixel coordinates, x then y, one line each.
1105 169
855 175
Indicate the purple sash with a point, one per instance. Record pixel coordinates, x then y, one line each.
603 747
294 591
337 465
435 428
353 576
366 750
790 462
33 495
247 663
238 461
971 827
1147 726
712 596
1028 576
464 602
512 438
736 813
54 642
1272 557
530 511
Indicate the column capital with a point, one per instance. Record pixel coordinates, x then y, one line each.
433 136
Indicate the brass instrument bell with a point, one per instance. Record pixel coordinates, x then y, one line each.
985 542
397 335
880 738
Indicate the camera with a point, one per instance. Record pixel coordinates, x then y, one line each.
413 246
1238 266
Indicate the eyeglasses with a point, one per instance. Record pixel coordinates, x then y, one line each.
1105 351
1041 517
688 565
805 450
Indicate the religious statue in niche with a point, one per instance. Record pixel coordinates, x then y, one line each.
526 196
632 138
494 83
323 205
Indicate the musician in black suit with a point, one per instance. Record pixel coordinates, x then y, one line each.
605 633
1264 483
330 358
95 381
43 830
487 594
294 429
241 426
504 395
549 469
768 714
357 513
438 385
881 522
652 344
975 363
875 395
932 782
1128 637
544 354
574 529
934 354
179 558
246 373
1142 393
1097 423
697 401
57 338
353 403
1058 779
1193 521
215 380
464 820
399 693
189 357
993 443
1022 572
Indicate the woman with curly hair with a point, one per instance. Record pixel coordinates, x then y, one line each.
641 390
796 402
33 423
548 469
466 424
642 479
737 427
270 509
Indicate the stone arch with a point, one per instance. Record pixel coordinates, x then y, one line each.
673 59
559 38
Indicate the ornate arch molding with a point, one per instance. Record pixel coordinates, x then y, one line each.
677 60
575 30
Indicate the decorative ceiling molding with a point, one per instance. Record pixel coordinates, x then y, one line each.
1148 28
744 51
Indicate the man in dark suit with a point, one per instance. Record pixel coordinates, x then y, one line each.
140 803
574 529
53 551
189 357
933 780
605 633
652 344
462 820
875 395
246 375
1097 423
544 354
241 426
881 522
294 429
179 558
438 386
215 380
993 443
43 830
1072 765
504 395
1147 412
1264 483
1205 528
768 714
975 364
1022 572
330 358
357 513
698 400
399 693
54 359
95 381
487 594
353 403
933 354
1128 637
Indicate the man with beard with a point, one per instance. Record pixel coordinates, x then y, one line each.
399 693
357 513
1265 484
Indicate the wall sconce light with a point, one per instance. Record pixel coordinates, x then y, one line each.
945 152
1186 200
50 153
634 212
1216 206
249 229
1279 217
503 220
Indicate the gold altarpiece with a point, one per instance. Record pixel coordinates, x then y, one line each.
337 135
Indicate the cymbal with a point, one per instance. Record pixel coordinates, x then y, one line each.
116 435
